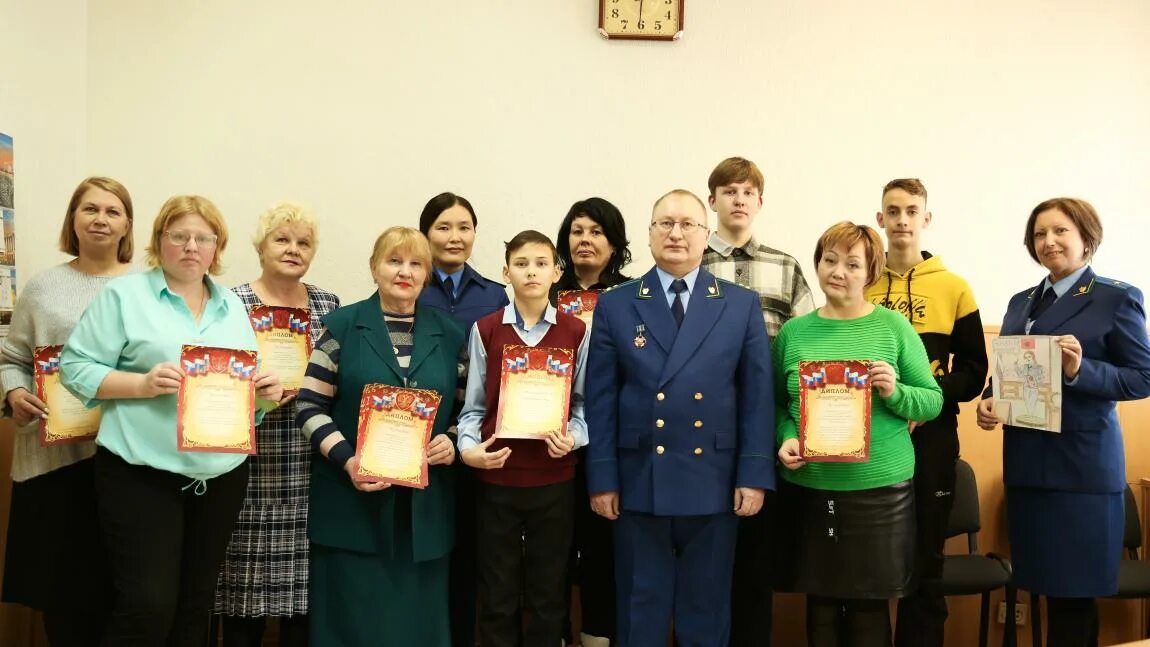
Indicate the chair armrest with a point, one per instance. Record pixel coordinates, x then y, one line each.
1004 561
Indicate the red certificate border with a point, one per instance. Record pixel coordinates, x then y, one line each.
44 354
590 301
280 316
535 359
404 399
838 377
182 444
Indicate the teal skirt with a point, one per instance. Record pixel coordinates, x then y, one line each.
364 600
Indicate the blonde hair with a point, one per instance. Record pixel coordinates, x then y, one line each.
402 240
70 243
682 193
179 206
285 212
848 234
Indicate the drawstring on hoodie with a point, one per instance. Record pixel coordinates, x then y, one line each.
201 487
909 299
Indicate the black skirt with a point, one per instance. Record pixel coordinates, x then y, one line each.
54 559
855 545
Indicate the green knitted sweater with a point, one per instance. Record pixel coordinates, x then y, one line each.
881 335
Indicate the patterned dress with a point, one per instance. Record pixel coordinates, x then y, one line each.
265 571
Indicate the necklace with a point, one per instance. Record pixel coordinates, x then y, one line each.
411 327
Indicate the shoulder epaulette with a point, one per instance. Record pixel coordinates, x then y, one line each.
1102 280
620 285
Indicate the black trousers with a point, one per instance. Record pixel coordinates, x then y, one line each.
56 560
1071 622
835 622
922 617
249 632
165 545
592 565
461 582
523 538
752 594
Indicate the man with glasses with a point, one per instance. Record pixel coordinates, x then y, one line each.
681 420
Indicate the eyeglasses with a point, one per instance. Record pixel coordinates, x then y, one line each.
688 227
181 238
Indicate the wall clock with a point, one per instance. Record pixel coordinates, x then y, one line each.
641 19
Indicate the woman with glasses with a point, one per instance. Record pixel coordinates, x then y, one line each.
53 504
166 515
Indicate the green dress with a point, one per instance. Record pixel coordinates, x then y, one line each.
379 561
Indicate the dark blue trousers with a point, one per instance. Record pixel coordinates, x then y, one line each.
674 569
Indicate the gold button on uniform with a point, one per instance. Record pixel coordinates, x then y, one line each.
698 396
659 449
698 423
698 451
659 423
659 397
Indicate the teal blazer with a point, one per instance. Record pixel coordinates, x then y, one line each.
339 515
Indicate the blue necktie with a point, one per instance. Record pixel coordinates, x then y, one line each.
1048 298
449 286
678 286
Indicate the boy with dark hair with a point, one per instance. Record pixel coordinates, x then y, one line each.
941 307
736 196
525 496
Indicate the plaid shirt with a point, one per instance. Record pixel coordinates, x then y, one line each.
776 276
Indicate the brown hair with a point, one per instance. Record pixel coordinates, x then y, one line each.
911 185
733 170
848 234
528 237
404 240
179 206
70 244
1080 212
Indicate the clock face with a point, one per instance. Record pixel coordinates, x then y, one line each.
641 19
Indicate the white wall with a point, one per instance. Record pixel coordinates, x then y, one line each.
43 106
368 109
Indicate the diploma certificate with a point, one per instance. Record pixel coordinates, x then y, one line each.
835 406
535 391
285 342
1027 382
217 400
68 421
395 426
580 303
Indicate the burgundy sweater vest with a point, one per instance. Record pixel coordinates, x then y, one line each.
529 464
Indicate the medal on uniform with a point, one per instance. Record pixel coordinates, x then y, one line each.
640 340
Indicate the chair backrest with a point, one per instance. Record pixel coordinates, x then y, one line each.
964 519
1132 536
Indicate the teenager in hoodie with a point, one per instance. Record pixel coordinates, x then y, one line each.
941 307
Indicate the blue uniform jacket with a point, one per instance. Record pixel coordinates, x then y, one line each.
1109 319
679 417
478 297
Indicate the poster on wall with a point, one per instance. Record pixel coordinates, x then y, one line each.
8 242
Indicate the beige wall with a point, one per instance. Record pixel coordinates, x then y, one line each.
368 109
43 105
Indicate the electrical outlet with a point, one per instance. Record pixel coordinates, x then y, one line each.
1021 614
